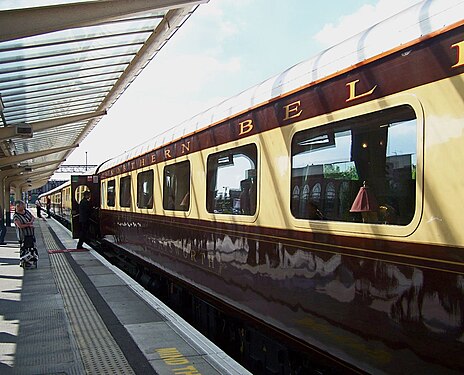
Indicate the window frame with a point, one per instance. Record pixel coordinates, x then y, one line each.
111 197
247 184
370 229
178 198
149 199
123 191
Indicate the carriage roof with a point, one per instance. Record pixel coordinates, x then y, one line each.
396 32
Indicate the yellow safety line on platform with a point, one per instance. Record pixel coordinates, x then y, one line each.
99 352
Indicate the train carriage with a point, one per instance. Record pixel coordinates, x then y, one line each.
323 205
60 199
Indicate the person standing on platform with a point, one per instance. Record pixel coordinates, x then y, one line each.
49 204
23 220
2 228
38 206
85 209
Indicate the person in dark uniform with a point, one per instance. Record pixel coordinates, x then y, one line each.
38 206
2 228
84 219
49 205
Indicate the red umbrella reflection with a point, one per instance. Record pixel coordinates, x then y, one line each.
365 203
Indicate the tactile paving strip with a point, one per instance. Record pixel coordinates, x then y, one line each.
99 352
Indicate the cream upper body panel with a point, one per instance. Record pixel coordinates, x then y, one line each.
436 219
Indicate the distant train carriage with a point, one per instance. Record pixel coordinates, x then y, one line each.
324 205
66 202
60 199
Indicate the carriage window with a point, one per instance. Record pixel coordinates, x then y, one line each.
176 187
231 180
67 194
110 193
145 189
362 169
79 192
125 191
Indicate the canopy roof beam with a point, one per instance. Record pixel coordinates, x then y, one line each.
41 20
38 174
9 132
21 169
14 159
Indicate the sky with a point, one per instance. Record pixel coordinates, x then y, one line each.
224 48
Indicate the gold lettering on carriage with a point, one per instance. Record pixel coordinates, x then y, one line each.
185 147
460 53
167 154
353 96
246 127
293 110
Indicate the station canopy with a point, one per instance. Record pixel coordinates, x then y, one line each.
63 64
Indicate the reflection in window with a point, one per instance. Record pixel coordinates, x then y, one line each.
329 199
145 189
125 191
110 193
295 199
232 179
304 200
377 151
176 187
316 193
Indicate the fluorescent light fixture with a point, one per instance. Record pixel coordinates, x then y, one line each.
23 130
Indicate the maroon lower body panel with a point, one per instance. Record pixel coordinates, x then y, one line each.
376 313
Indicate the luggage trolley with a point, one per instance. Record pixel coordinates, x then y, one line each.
28 252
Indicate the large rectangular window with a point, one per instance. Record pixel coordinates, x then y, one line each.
145 189
362 169
232 180
110 193
125 191
176 187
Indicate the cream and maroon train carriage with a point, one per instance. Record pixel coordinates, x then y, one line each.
324 205
60 202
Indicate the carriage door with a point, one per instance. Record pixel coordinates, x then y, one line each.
79 184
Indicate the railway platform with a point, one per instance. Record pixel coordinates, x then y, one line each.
78 314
